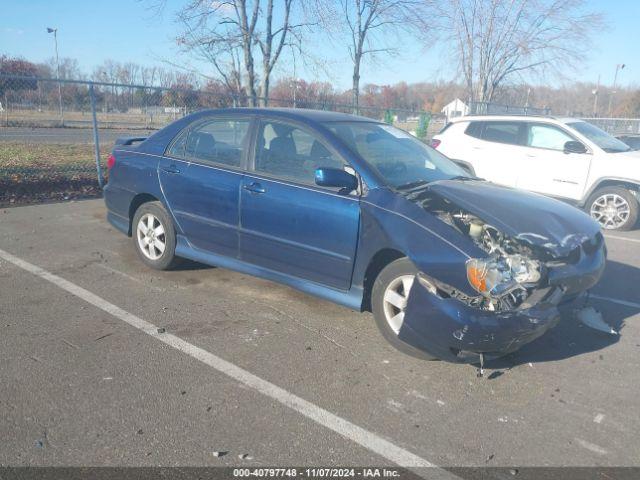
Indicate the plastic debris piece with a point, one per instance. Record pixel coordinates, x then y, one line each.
220 453
481 367
592 318
161 330
245 456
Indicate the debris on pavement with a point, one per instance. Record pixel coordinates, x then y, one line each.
592 318
220 453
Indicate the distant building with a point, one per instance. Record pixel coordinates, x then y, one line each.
457 108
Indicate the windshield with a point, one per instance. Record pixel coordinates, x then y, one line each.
400 158
601 138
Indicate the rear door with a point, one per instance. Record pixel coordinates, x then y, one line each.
495 149
201 176
289 224
547 168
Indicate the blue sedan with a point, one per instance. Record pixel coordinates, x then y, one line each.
360 213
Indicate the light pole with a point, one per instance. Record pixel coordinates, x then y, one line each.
619 66
55 41
595 93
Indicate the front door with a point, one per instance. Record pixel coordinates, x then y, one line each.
201 176
548 169
290 225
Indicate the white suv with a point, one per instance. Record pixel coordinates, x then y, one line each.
565 158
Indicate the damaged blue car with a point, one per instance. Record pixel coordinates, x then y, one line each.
362 214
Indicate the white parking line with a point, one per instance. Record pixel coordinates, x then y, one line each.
615 237
615 300
359 435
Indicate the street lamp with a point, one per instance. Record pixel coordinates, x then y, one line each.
595 92
619 66
55 40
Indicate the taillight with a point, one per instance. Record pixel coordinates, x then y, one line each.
111 161
435 143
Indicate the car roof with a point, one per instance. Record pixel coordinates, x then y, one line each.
292 113
529 118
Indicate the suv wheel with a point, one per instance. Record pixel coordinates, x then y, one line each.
154 236
615 208
388 301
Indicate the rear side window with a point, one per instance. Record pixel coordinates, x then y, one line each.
474 129
177 147
503 132
219 141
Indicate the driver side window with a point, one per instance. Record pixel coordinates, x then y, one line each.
547 136
290 153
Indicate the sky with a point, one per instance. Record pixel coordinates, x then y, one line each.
92 31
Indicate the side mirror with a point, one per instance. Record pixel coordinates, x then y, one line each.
335 177
574 147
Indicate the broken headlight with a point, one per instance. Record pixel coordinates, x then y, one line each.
494 277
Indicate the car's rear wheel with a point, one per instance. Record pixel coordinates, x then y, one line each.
615 208
154 236
388 301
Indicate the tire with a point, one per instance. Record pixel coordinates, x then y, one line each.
389 278
614 208
158 249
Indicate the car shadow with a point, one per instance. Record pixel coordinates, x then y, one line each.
186 265
570 337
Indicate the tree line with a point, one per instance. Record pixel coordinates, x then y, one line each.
187 89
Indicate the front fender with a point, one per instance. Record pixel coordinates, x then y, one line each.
389 221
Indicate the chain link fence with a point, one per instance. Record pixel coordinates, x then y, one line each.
55 135
613 126
491 108
617 126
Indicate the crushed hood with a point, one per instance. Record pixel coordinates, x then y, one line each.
535 219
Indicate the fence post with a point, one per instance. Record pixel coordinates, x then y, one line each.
96 140
6 110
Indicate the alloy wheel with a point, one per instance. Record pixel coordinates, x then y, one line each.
395 301
151 236
610 210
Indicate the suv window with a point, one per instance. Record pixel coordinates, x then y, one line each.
474 129
288 152
541 135
503 132
219 141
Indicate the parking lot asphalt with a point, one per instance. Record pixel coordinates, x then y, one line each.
254 368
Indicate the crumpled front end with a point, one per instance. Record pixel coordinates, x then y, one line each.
520 285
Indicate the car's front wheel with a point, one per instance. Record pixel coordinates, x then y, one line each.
154 236
615 208
389 298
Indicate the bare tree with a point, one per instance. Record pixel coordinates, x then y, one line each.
236 35
497 40
369 25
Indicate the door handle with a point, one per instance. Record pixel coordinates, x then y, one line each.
254 187
171 169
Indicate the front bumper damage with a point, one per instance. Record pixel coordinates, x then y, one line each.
452 330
